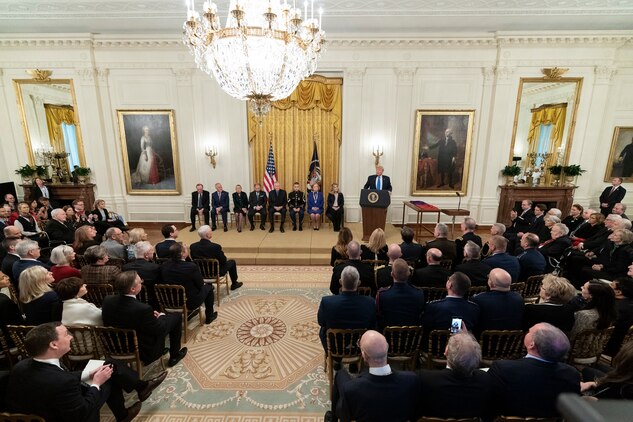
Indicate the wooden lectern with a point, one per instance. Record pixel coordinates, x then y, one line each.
374 204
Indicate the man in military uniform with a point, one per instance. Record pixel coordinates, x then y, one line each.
468 226
296 204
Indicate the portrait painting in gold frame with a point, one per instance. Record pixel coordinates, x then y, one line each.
621 155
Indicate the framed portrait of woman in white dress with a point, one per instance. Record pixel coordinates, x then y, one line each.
150 152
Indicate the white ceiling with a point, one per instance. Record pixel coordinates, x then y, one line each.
341 17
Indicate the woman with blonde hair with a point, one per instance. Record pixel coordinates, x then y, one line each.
376 247
40 302
553 306
62 256
339 251
335 202
84 238
135 235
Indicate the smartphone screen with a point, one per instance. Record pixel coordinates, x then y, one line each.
456 325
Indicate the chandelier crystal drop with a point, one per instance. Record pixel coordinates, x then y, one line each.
265 49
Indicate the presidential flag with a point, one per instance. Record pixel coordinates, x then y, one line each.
270 175
314 174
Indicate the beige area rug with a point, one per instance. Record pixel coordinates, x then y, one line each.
261 360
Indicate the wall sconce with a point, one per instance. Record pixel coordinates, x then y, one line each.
377 152
211 152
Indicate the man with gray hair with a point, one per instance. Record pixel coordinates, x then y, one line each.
441 242
620 210
401 304
114 243
460 390
434 274
500 308
555 212
347 309
530 386
468 226
58 229
206 249
148 270
472 266
383 273
365 271
378 394
29 252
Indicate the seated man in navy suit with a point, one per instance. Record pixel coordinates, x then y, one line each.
365 270
439 314
219 205
378 394
29 252
411 252
518 385
500 308
434 274
531 260
472 266
401 304
499 258
170 234
347 309
206 249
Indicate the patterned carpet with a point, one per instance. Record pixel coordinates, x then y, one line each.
261 360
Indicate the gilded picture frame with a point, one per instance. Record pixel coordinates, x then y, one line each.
620 162
150 152
440 164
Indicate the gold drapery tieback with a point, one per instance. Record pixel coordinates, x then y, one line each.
546 114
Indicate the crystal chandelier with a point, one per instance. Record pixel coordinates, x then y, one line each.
265 49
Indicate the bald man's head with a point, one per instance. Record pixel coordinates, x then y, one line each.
433 256
374 348
499 279
394 252
353 250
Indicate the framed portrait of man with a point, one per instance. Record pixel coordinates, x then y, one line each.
441 152
150 152
620 162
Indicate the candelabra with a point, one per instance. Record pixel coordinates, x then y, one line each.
537 162
377 153
211 152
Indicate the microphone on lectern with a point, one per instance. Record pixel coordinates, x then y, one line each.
459 203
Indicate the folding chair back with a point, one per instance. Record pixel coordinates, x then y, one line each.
404 344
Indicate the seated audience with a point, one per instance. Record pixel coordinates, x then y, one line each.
575 217
59 229
497 229
85 237
411 251
9 244
378 394
67 396
339 251
468 226
347 309
615 384
438 314
383 272
530 386
611 223
240 207
620 209
531 261
39 302
472 266
123 310
103 220
554 307
434 274
611 260
442 242
401 304
499 258
75 309
365 271
335 202
500 308
555 212
96 271
257 205
114 243
170 234
179 271
135 235
593 225
554 248
27 223
29 252
599 311
623 289
460 390
549 221
62 256
315 206
206 249
148 270
376 248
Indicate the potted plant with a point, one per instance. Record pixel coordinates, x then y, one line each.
555 171
27 172
510 172
83 174
571 171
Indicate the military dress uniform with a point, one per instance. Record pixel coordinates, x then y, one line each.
296 199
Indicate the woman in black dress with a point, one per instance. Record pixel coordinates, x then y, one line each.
240 206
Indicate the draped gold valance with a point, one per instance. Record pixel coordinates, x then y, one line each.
312 112
547 114
55 116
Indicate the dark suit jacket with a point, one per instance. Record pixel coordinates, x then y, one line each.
205 249
532 262
253 201
127 312
530 387
346 310
59 231
554 250
330 200
561 316
188 275
611 199
401 304
371 183
7 268
430 276
239 201
56 395
277 199
370 398
507 262
622 324
162 247
445 245
45 308
597 240
411 251
476 270
22 264
449 394
365 271
538 228
460 242
366 253
205 199
220 200
36 193
383 276
151 275
499 310
439 313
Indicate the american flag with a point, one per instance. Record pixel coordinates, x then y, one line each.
270 176
314 173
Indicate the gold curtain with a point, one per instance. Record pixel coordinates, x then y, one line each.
55 116
313 111
546 114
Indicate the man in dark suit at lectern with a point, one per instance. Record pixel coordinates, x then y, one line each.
611 195
199 203
378 181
